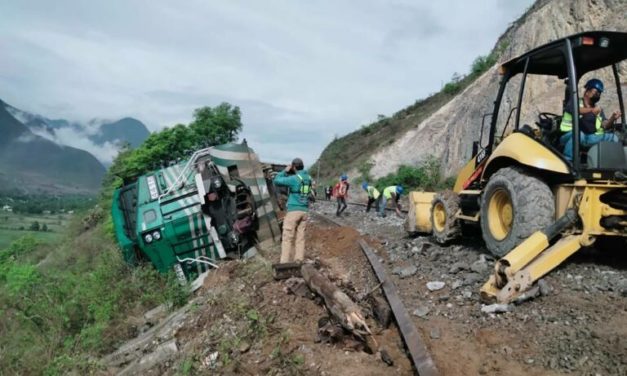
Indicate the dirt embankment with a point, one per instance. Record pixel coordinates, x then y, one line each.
244 322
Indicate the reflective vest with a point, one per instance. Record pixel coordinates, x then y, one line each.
567 121
340 189
387 192
305 186
304 191
372 192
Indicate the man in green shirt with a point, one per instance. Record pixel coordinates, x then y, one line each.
298 183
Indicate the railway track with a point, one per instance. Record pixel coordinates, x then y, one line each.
416 347
359 204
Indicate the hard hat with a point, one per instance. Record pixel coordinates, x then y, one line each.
364 185
343 177
594 83
399 189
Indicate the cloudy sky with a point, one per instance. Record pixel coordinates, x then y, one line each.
301 71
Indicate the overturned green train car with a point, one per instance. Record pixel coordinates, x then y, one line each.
188 216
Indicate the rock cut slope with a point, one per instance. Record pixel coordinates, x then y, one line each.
448 131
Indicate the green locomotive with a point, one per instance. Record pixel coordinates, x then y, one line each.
187 216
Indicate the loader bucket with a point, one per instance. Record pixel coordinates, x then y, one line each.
418 219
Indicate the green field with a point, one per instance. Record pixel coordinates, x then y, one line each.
14 226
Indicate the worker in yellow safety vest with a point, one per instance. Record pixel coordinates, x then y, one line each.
391 193
373 196
593 125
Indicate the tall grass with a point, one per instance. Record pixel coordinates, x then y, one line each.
64 306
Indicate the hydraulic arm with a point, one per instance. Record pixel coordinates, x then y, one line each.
525 264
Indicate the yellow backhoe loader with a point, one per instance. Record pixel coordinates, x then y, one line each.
534 207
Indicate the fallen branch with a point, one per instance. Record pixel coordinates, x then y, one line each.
340 306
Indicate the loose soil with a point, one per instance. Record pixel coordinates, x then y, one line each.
257 327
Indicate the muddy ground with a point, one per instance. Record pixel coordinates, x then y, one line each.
242 321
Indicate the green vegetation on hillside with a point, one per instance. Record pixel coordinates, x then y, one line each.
65 305
211 126
354 149
426 176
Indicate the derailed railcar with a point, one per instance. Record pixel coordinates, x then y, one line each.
188 216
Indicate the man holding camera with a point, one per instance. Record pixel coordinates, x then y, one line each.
300 194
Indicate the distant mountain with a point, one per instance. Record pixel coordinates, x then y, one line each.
101 138
127 129
33 163
10 127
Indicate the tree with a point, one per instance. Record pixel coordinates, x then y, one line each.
215 126
211 126
34 226
44 227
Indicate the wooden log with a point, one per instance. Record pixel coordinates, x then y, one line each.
340 306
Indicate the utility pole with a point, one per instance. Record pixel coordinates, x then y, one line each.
318 176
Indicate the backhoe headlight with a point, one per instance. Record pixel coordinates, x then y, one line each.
148 238
156 235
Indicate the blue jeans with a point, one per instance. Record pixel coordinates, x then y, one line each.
382 205
586 140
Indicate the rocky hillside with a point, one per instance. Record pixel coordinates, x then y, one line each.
445 125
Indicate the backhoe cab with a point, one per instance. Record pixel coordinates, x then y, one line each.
519 187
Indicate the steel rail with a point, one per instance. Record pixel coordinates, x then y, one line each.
419 354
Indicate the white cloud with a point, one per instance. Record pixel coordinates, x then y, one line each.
321 66
26 138
104 153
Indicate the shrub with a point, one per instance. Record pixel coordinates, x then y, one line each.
426 176
74 307
452 88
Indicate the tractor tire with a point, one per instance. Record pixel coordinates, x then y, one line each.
514 205
443 223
